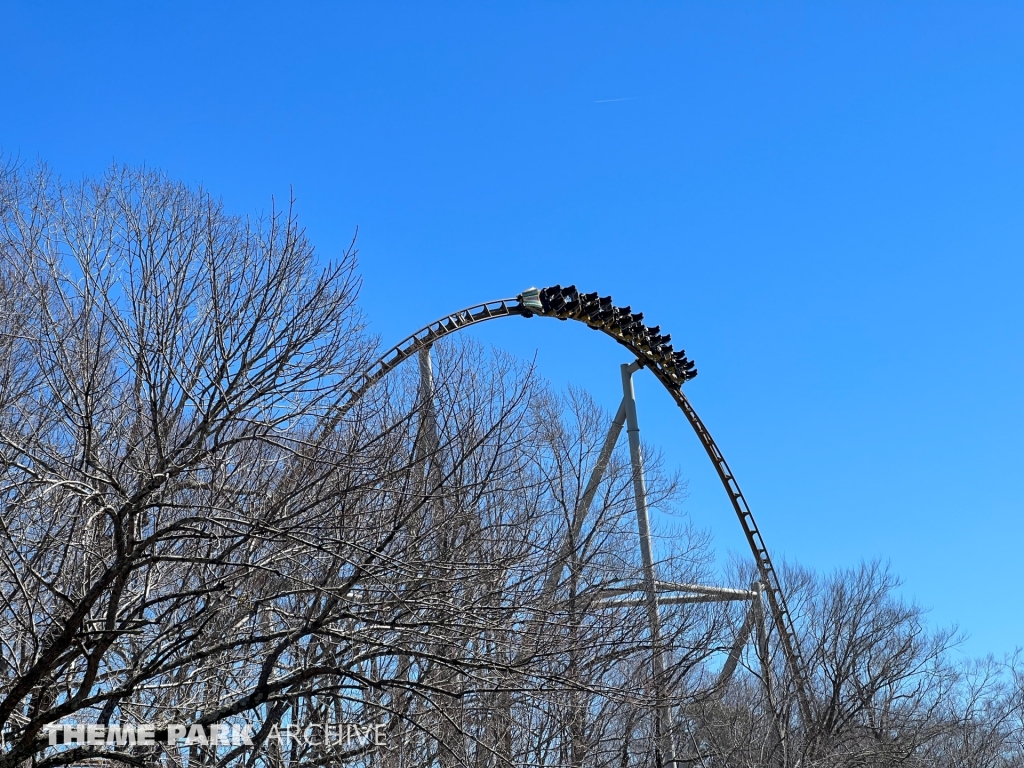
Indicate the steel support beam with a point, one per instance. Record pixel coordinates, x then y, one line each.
428 439
586 500
754 618
431 480
663 708
668 600
724 593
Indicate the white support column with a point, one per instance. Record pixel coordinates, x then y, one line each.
430 485
663 709
428 439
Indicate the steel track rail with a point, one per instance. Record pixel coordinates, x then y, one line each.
671 368
424 337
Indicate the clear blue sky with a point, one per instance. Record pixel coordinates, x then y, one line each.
824 203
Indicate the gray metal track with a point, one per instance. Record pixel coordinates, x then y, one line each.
653 351
422 339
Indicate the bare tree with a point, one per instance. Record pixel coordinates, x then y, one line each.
194 531
165 370
886 689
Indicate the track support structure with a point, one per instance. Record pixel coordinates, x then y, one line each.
654 351
663 708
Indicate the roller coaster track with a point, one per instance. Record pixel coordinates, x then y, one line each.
653 351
